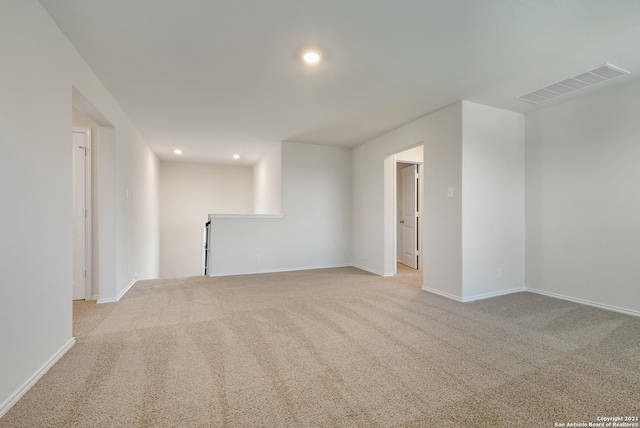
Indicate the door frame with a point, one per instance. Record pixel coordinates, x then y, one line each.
420 191
88 203
411 172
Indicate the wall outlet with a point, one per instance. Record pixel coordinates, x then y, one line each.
450 192
257 258
128 268
499 273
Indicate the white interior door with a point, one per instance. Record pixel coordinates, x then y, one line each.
79 216
409 220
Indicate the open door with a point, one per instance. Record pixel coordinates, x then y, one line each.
206 233
81 282
409 222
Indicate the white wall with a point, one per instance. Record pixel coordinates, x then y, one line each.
104 170
582 198
373 238
315 229
492 201
189 192
478 152
137 220
267 183
39 69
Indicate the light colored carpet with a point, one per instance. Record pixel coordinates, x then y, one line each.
335 347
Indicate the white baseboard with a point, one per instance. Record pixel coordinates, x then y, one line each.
375 272
533 290
118 297
259 271
585 302
494 294
13 398
473 298
442 293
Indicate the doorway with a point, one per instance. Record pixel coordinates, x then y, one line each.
100 199
394 239
81 148
408 214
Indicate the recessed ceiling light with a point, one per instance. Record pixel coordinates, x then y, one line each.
177 151
311 57
236 156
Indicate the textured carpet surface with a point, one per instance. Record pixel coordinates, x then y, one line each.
335 347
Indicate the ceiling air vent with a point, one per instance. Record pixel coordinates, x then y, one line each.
584 80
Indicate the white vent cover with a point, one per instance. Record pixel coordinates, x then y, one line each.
584 80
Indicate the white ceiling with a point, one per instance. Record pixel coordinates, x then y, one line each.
217 77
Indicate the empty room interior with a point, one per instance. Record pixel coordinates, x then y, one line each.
319 213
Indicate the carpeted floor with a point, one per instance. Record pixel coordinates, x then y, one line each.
335 347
